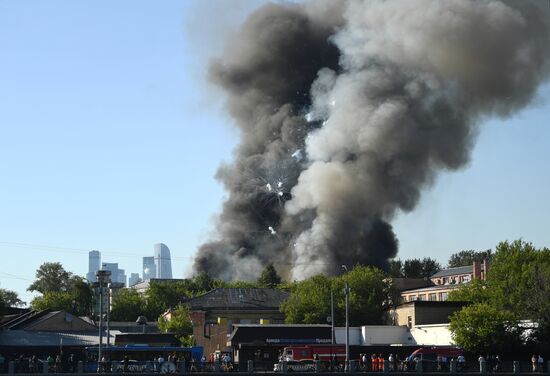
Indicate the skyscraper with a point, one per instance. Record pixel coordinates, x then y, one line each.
113 268
94 262
134 278
122 276
149 268
163 261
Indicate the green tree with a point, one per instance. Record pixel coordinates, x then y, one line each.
179 324
10 298
51 277
127 305
370 293
396 268
54 300
202 283
83 296
475 292
269 277
482 328
517 284
465 258
417 268
309 301
162 295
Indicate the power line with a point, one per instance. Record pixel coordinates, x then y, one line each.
80 251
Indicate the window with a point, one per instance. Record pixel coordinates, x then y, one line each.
432 297
421 297
444 296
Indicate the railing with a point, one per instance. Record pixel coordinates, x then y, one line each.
24 366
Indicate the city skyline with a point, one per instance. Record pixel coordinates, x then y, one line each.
95 115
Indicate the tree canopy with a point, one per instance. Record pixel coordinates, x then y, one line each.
420 268
464 258
52 277
179 323
10 298
309 301
517 286
269 277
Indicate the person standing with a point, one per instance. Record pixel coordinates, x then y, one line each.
540 363
497 363
534 360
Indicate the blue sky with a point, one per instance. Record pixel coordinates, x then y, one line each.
110 137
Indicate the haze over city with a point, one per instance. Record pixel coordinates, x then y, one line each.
111 136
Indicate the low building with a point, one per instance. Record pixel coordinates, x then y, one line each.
263 344
48 332
414 313
214 313
143 286
445 281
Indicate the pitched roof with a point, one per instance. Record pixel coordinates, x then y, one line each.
15 338
34 319
454 271
433 288
235 298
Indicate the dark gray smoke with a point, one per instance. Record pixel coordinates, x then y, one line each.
347 110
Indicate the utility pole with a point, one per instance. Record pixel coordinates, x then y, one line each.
345 268
332 317
103 277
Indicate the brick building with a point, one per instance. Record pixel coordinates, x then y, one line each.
214 313
445 281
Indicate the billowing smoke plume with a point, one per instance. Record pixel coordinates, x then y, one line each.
347 110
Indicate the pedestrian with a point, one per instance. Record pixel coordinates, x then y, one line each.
482 363
461 362
540 363
203 363
32 364
374 363
534 360
50 360
497 363
380 362
391 361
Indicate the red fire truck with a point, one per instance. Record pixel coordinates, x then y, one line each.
325 353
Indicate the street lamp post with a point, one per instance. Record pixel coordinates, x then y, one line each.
345 268
103 279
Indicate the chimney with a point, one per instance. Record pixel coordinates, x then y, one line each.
476 270
485 268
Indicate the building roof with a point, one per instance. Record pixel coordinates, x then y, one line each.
402 284
459 270
144 285
433 288
17 338
60 321
239 299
